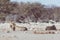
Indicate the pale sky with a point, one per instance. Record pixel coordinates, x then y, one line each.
46 2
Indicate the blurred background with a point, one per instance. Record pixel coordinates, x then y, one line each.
23 11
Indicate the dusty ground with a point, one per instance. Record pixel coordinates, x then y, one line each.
27 35
18 35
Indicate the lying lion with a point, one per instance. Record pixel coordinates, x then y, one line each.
14 27
39 31
43 32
